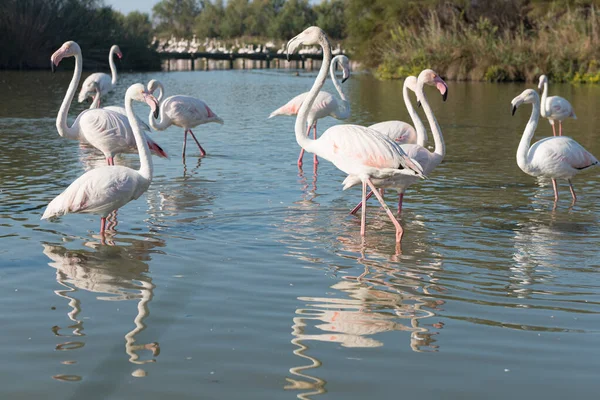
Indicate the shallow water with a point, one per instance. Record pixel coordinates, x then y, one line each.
237 276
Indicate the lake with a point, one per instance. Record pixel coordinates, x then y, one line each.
238 276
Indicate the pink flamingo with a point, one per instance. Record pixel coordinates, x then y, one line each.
105 82
402 132
105 189
108 131
183 111
354 149
552 157
427 159
121 110
555 108
324 105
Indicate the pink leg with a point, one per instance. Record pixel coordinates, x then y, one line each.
302 150
572 192
110 161
102 225
363 217
555 190
202 152
359 205
184 143
559 128
553 130
400 198
316 161
399 230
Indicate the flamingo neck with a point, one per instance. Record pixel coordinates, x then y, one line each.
438 139
305 142
343 111
163 121
96 101
543 110
523 149
69 132
414 116
146 167
113 67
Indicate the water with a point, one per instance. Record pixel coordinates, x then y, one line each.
236 276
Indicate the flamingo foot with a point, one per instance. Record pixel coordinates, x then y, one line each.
316 160
300 158
572 192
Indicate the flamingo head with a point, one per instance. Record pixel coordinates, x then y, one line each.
68 49
345 64
310 36
528 96
117 51
153 85
543 80
430 77
138 92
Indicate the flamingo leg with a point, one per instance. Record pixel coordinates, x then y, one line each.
184 142
302 151
555 190
363 217
202 152
110 161
399 230
400 198
359 205
316 161
553 129
102 225
559 128
572 191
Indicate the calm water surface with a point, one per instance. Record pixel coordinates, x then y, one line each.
237 276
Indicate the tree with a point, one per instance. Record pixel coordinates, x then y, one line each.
234 19
330 18
294 17
175 17
208 22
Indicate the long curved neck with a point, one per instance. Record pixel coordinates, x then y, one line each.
528 133
163 121
146 167
438 139
61 120
544 97
301 137
414 116
96 101
113 67
344 110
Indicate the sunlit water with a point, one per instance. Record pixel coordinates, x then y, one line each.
236 276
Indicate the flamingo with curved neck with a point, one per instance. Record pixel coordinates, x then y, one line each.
556 157
427 159
108 131
183 111
102 190
121 110
402 132
106 83
325 104
555 108
354 149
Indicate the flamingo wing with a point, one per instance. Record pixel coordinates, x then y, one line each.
559 108
121 110
102 80
560 157
187 111
398 131
325 104
291 107
107 130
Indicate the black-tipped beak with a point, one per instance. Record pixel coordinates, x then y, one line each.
156 113
419 103
52 66
344 79
514 108
445 95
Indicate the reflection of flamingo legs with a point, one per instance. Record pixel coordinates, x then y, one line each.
143 312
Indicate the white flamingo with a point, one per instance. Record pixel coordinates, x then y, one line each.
354 149
183 111
105 82
554 157
325 105
555 108
427 159
400 131
121 110
103 190
108 131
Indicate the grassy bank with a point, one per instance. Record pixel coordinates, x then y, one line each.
562 44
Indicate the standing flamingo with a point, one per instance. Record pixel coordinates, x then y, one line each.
555 108
325 104
121 110
183 111
427 159
103 190
402 132
108 131
552 157
354 149
105 82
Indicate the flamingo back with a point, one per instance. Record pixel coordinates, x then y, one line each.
559 108
325 105
103 81
559 157
188 112
398 131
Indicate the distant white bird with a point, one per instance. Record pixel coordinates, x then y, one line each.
555 108
553 157
184 111
103 190
105 82
325 105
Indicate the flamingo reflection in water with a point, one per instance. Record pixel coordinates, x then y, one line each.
117 271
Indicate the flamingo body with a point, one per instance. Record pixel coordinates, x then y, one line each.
104 82
399 131
188 112
325 105
554 108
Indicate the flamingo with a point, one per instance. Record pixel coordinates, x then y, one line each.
552 157
121 110
103 190
105 82
325 104
183 111
108 131
402 132
555 108
427 159
355 150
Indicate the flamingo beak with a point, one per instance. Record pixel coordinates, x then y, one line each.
344 79
514 108
442 87
152 102
56 57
